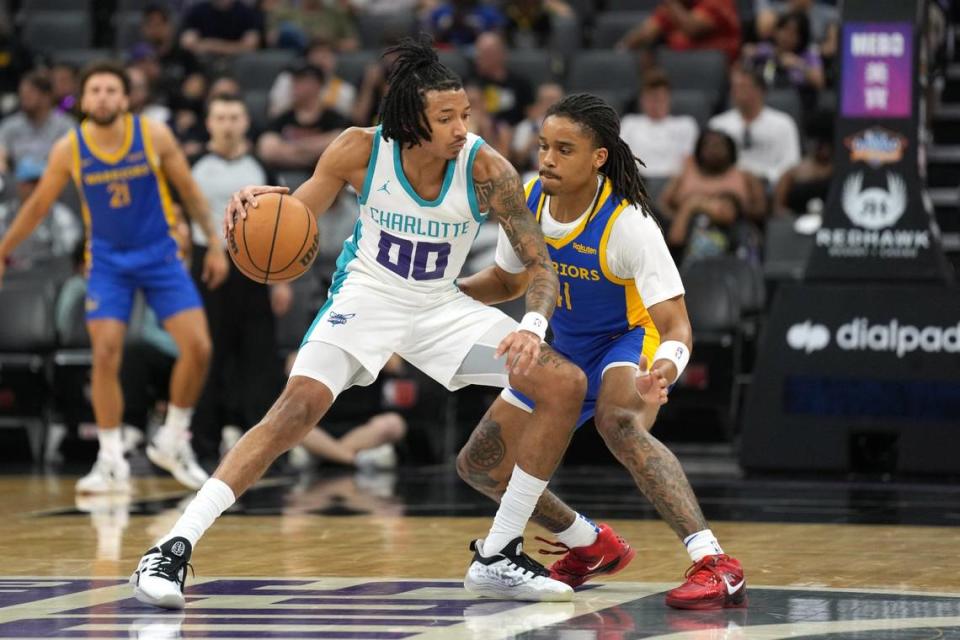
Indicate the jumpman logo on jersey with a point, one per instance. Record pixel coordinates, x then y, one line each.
385 188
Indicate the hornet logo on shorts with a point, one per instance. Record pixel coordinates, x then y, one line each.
339 318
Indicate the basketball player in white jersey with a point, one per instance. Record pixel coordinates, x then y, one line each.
424 186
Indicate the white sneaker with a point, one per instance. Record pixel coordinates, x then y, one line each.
229 437
377 458
107 476
513 575
161 574
177 457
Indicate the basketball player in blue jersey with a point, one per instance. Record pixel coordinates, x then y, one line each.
121 164
424 186
621 318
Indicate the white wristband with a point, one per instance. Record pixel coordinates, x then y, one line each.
674 351
534 323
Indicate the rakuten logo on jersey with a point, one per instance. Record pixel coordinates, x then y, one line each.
860 335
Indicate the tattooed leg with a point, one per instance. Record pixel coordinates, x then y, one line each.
486 462
624 423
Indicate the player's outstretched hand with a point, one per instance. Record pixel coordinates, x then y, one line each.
651 384
246 197
215 267
522 349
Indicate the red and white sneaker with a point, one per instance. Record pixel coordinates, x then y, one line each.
608 554
716 582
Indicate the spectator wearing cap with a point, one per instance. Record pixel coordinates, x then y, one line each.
31 132
221 28
767 139
338 94
689 24
295 139
662 140
58 233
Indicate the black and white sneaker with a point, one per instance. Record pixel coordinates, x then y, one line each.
160 576
512 574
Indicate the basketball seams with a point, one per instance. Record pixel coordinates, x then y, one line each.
273 242
306 237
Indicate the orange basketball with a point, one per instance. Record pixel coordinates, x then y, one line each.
276 242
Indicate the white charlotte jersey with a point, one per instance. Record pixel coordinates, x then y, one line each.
407 242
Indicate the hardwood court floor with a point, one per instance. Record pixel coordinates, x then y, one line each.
346 557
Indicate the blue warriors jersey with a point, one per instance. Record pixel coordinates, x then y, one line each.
595 307
124 195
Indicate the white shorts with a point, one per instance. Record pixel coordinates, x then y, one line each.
433 332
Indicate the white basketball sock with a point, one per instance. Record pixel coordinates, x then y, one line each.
214 497
702 543
111 443
175 427
582 533
516 507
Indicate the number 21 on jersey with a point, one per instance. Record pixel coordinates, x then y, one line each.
119 195
563 297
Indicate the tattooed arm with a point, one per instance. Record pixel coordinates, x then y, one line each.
500 193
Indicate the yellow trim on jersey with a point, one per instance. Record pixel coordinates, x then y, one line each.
651 341
84 209
637 314
527 188
119 154
559 243
166 202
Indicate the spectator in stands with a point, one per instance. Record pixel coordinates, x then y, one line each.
661 140
64 82
767 139
15 57
372 89
246 372
791 60
296 139
705 203
188 106
171 63
458 23
141 96
689 24
221 28
809 181
529 22
506 95
383 7
822 18
224 85
496 133
58 234
31 132
525 147
293 24
338 94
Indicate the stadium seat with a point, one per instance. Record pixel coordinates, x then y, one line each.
610 26
126 29
692 102
788 101
535 65
632 5
456 62
82 57
134 5
257 103
785 250
57 30
378 30
351 65
26 341
256 71
704 69
566 35
31 6
610 74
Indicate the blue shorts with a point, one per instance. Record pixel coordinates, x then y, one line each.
625 350
115 275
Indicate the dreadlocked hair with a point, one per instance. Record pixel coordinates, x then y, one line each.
416 71
603 123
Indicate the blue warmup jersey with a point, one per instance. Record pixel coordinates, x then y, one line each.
129 218
600 319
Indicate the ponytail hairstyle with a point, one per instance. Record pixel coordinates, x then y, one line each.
417 70
602 121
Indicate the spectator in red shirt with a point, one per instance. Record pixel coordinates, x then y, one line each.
689 24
